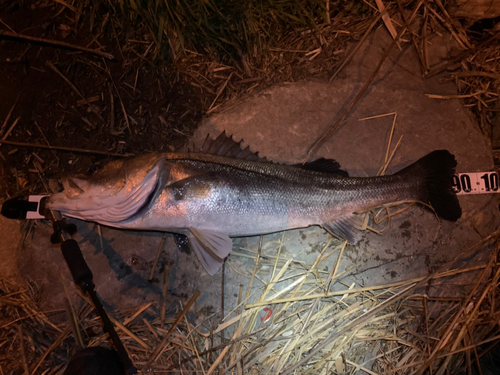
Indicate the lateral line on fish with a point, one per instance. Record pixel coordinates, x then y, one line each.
292 171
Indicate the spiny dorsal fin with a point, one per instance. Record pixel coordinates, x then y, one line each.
324 165
228 147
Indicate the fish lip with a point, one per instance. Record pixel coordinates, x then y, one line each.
77 183
71 188
74 186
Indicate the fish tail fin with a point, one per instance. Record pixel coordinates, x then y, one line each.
436 171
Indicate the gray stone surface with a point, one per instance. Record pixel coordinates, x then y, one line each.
282 123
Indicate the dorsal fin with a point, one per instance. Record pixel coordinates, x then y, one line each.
324 165
228 147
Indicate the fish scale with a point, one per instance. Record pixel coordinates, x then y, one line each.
210 198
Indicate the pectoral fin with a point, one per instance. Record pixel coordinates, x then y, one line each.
347 228
210 264
210 247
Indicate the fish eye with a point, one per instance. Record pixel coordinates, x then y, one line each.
93 169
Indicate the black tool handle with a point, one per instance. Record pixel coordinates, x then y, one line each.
82 275
17 208
108 327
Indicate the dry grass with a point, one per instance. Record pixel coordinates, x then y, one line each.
473 62
304 318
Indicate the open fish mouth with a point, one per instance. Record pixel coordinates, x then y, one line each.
73 186
108 203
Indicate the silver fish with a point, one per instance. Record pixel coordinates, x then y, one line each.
224 191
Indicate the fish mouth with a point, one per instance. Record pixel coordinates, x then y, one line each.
73 186
84 200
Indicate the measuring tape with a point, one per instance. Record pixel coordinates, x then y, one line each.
475 183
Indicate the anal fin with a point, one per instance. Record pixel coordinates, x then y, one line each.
347 228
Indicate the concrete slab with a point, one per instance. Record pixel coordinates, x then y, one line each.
282 123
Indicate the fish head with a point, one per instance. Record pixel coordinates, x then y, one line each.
114 193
